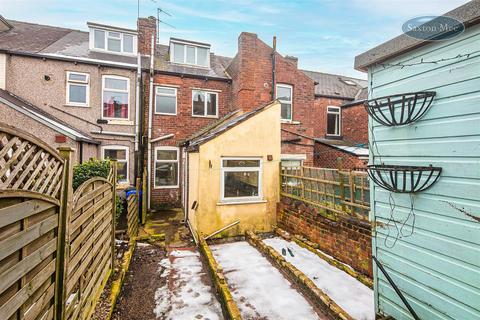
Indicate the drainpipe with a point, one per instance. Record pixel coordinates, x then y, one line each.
274 67
137 117
150 116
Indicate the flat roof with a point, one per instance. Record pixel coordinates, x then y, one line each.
468 14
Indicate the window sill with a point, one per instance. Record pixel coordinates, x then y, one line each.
120 122
290 122
76 105
208 117
165 114
236 202
166 187
333 137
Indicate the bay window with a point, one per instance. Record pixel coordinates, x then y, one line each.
116 97
166 167
77 89
333 121
166 100
204 103
119 153
284 94
241 179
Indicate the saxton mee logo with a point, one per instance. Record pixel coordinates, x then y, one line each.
433 28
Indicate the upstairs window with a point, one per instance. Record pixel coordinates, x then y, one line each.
284 93
113 41
77 89
166 100
116 97
204 104
333 121
241 179
189 54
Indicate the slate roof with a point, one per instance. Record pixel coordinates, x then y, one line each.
43 117
334 85
468 14
218 64
360 98
356 149
224 124
37 39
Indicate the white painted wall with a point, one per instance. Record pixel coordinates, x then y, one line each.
3 70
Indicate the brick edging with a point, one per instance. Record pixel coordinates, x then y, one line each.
229 305
316 295
312 247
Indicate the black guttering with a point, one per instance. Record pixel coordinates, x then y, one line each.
353 103
188 75
333 97
112 64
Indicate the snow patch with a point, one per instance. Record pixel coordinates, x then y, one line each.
260 290
185 295
349 293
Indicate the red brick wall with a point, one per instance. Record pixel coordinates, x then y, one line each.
355 124
320 114
182 125
326 157
348 240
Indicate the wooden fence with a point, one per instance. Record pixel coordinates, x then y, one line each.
56 246
132 215
335 191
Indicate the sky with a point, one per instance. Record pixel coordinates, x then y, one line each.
325 35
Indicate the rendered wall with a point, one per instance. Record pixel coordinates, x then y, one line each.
258 136
438 267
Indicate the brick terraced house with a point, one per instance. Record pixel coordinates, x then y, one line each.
188 89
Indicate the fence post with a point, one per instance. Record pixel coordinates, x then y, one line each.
63 240
342 183
144 195
113 163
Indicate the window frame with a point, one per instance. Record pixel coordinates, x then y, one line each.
106 37
166 95
223 170
127 159
205 104
155 160
116 90
191 45
288 86
339 113
78 83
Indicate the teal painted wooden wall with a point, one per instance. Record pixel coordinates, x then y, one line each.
438 267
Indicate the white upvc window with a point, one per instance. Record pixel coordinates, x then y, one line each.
113 41
166 167
241 179
204 104
121 154
184 53
78 89
115 97
333 121
284 93
166 100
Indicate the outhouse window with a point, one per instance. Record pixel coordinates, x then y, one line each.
204 104
116 92
77 89
333 121
166 100
284 94
166 167
119 153
241 179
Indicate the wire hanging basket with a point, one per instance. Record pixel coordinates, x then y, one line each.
404 179
399 109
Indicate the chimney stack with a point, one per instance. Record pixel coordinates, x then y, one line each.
293 60
146 27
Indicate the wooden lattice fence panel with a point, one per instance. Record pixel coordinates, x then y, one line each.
335 191
90 232
132 215
31 176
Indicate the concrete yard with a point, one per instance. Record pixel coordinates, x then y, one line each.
259 289
349 293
